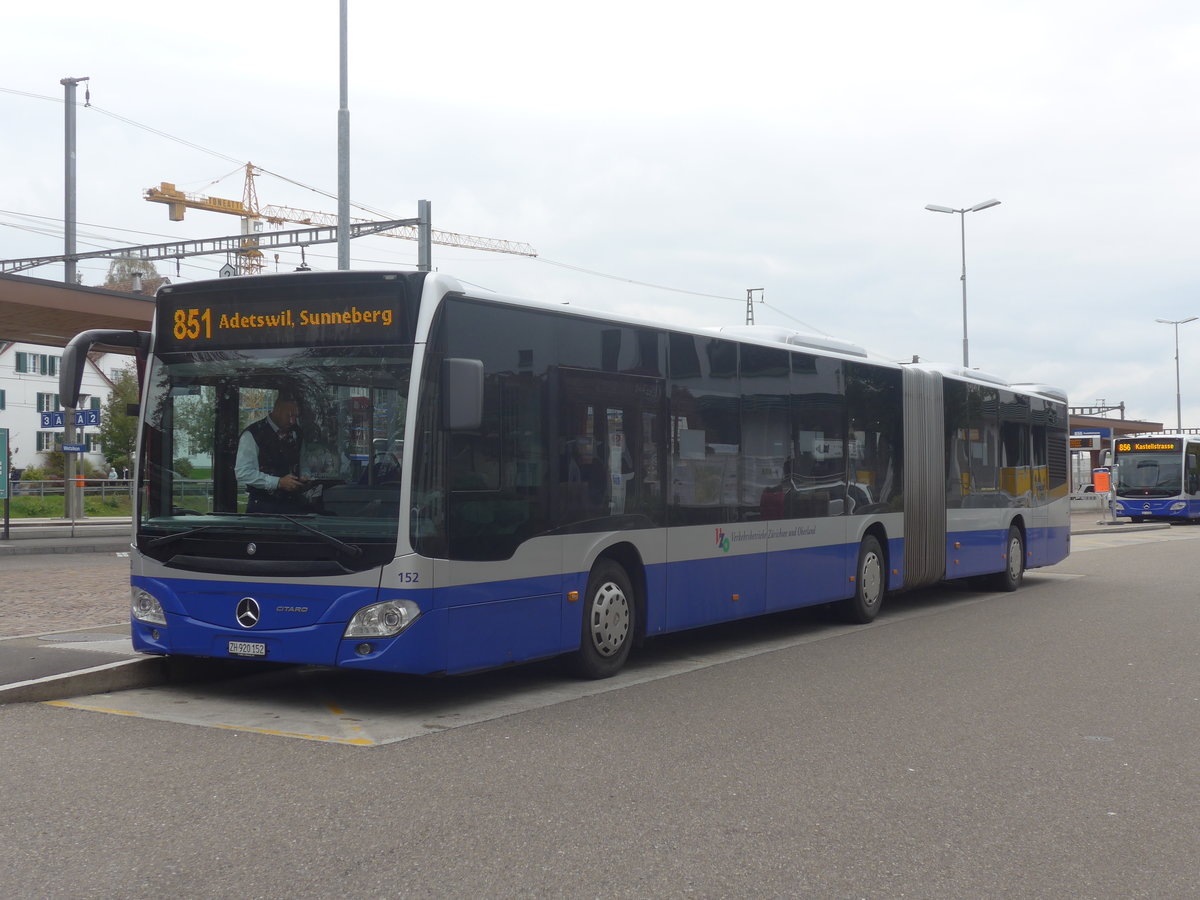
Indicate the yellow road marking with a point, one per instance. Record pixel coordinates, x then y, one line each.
67 704
327 738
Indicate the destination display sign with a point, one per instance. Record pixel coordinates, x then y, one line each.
238 315
1148 445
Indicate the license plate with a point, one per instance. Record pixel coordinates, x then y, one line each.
247 648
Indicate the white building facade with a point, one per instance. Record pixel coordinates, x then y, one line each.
29 387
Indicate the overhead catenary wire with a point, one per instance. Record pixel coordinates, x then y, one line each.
776 309
649 284
224 156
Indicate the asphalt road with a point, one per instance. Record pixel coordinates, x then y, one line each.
1036 744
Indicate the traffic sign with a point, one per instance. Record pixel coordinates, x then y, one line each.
58 419
74 448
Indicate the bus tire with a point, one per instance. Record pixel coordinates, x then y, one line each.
869 584
609 622
1014 562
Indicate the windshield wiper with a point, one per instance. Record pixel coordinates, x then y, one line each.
177 536
349 549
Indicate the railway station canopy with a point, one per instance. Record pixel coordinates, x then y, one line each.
38 311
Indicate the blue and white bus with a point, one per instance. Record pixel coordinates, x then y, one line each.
489 481
1158 477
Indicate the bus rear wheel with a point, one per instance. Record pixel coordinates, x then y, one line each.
609 618
869 584
1014 562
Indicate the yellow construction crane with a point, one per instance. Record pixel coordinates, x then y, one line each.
250 258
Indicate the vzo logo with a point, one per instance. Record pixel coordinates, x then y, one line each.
722 540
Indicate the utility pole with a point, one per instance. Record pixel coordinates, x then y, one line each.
343 139
72 501
750 304
424 236
69 217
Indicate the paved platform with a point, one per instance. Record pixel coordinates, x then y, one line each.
27 536
72 662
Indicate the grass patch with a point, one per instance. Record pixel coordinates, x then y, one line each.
51 507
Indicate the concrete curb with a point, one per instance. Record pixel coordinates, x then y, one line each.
1119 527
122 675
128 674
29 547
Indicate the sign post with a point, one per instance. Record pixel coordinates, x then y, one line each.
73 443
5 466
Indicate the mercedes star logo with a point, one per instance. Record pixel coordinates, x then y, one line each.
248 612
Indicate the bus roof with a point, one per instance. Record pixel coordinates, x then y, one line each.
441 284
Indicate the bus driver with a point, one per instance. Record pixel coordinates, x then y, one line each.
268 460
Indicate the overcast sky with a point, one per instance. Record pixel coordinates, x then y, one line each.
701 147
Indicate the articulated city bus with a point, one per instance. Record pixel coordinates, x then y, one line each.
477 481
1158 477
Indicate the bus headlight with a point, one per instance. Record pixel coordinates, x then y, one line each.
385 619
146 608
1178 505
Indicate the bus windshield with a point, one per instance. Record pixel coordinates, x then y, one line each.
341 443
1150 475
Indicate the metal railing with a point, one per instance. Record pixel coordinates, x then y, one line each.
92 487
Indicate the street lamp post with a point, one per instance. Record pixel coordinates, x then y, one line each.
1178 404
962 214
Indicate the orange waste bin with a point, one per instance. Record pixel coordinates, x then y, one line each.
1102 479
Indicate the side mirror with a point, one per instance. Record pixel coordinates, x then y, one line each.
462 394
1105 459
74 358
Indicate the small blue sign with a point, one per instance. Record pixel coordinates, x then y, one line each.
74 448
58 419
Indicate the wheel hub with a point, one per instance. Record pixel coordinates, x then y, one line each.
610 619
872 578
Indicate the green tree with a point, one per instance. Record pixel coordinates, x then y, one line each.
121 271
195 422
118 429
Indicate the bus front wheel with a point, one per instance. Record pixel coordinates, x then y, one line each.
608 622
869 584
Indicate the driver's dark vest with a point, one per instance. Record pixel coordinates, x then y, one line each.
277 455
